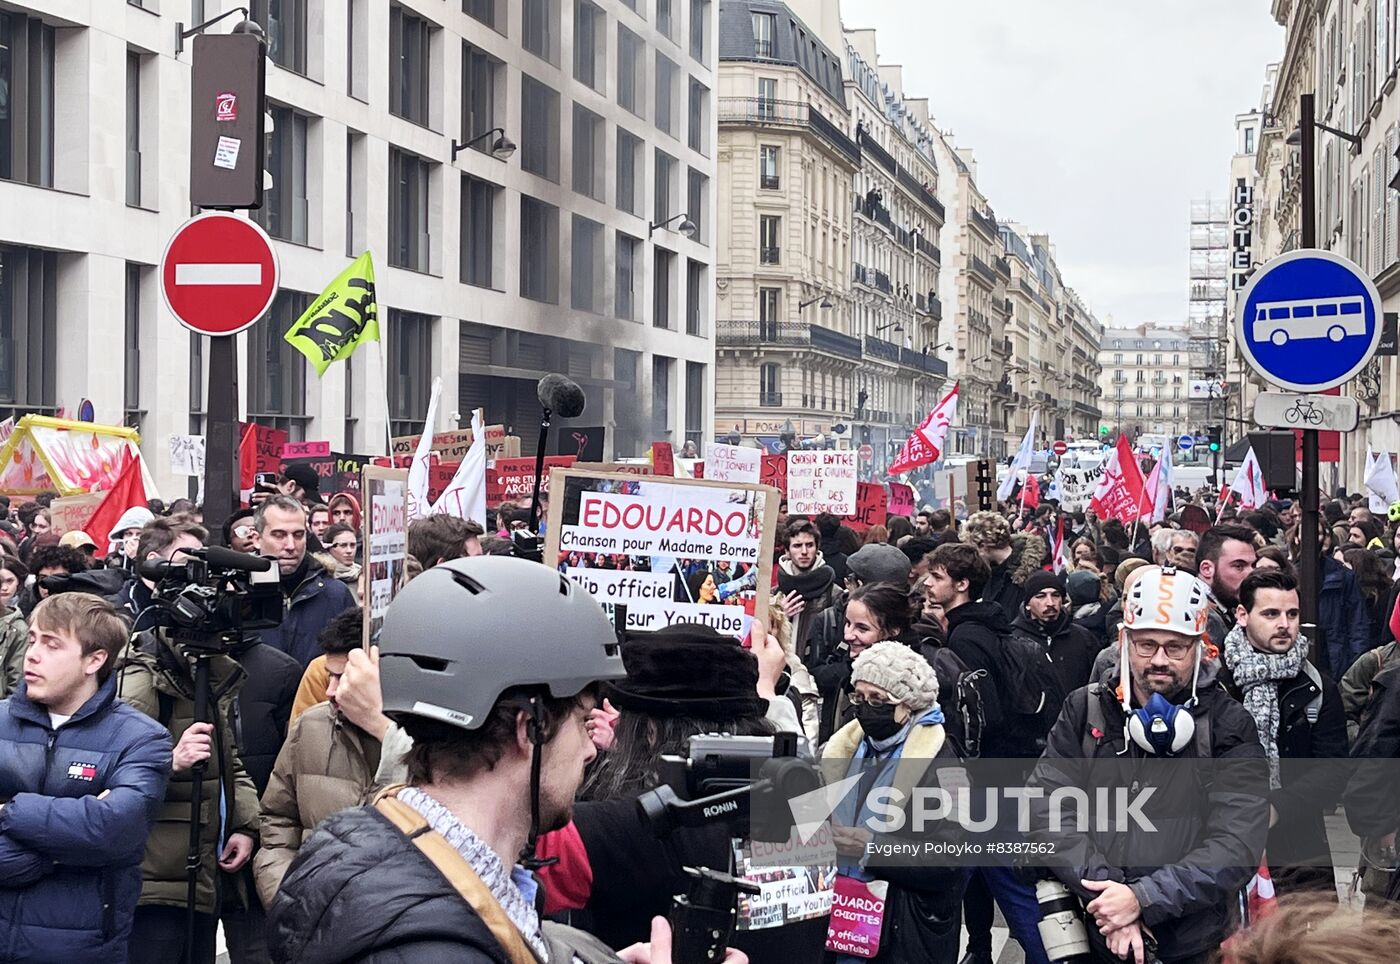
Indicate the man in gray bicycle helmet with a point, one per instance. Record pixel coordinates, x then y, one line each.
490 664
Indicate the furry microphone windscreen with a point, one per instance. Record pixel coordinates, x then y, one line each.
561 395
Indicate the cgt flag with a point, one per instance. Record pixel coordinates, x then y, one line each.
338 322
925 444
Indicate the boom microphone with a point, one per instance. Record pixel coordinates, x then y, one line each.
561 395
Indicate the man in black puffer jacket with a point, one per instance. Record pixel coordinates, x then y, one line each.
1045 621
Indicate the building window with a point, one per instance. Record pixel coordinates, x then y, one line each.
410 241
486 11
665 107
276 370
665 21
699 22
1249 140
661 287
410 370
284 211
769 230
664 172
540 29
482 77
284 22
26 115
768 179
697 201
629 164
131 385
768 302
661 393
626 363
410 65
479 200
356 192
539 141
630 64
589 162
767 98
763 33
625 294
539 250
769 395
698 117
356 49
133 128
587 283
589 55
694 298
695 402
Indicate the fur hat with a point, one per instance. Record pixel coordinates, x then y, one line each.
879 562
1040 580
1125 569
688 669
987 530
899 671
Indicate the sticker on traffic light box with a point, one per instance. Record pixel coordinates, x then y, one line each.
226 154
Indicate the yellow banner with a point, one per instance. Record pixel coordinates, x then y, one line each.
345 316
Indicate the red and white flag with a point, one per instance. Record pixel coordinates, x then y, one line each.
925 444
1249 483
1120 492
1030 493
1059 552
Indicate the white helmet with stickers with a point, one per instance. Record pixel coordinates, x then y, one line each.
1163 597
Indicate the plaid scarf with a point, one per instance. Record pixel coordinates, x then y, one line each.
1258 675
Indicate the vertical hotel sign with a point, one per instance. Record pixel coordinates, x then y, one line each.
1242 235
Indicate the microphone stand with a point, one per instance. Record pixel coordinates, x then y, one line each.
539 470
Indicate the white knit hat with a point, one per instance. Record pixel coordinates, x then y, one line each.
899 671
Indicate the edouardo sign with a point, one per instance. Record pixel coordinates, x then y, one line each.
1308 320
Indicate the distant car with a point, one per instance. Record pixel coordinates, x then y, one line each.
1280 322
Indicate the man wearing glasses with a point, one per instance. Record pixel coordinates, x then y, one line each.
1174 885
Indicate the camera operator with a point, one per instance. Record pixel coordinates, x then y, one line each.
157 677
82 777
1163 699
162 540
49 562
312 596
428 872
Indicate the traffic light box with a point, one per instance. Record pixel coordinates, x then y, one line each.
1213 436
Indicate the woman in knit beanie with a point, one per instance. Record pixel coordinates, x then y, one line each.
896 741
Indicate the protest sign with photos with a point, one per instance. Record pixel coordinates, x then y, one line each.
385 535
670 550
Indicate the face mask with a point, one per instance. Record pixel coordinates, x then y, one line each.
878 722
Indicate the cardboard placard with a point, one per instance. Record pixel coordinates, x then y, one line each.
449 445
773 471
267 446
584 443
671 550
821 481
902 499
73 512
305 450
630 468
871 505
385 535
187 455
663 459
857 916
732 463
511 480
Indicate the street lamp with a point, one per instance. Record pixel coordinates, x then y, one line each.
501 148
825 302
246 25
686 227
897 326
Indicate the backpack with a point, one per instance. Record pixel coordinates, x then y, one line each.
962 696
1025 676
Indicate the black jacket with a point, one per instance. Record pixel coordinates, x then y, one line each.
1211 835
1312 779
975 632
1372 797
1072 649
263 707
358 890
1007 587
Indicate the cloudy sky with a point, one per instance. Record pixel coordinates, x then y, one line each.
1097 121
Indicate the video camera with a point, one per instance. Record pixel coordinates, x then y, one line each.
210 599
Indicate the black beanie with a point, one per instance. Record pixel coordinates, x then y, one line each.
1041 580
688 670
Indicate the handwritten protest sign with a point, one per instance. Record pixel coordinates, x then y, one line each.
450 446
663 459
773 471
307 450
822 481
267 447
510 480
187 455
732 463
901 499
73 512
385 536
871 503
670 550
336 472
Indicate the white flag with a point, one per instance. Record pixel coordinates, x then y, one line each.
418 504
1249 483
1021 461
1166 472
1380 483
465 495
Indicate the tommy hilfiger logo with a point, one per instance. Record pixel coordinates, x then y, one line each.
82 771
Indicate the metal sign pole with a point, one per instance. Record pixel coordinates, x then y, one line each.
1308 542
221 475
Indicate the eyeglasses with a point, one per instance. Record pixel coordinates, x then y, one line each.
1146 649
858 700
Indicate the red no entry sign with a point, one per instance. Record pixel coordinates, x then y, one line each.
1060 447
219 273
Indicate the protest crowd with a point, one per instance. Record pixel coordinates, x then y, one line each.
459 779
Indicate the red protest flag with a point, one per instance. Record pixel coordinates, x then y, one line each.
926 443
1120 491
1030 495
129 492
